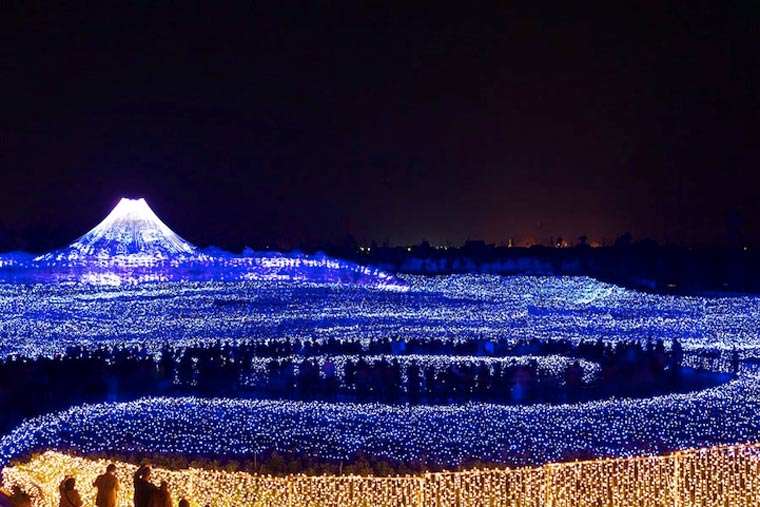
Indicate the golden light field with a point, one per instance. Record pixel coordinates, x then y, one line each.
716 476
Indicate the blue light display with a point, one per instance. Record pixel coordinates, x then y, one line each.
444 435
132 245
132 281
44 319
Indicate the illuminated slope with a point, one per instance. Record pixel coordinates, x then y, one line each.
132 245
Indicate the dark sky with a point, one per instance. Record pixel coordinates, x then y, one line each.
296 123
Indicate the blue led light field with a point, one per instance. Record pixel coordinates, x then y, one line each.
132 281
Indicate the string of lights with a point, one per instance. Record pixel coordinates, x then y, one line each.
551 365
46 319
708 476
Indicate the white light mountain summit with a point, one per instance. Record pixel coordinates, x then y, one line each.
132 228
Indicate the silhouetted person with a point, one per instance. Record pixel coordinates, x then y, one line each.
161 497
676 354
69 495
734 361
108 486
17 498
144 489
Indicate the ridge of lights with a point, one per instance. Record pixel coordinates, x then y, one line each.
43 320
445 435
133 246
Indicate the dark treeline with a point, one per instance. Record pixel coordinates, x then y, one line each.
641 264
383 371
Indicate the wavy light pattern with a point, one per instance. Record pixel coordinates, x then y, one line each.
42 320
444 435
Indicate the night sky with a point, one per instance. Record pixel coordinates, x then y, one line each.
298 123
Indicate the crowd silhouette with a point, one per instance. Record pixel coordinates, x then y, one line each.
385 370
146 494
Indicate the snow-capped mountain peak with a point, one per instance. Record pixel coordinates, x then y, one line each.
132 228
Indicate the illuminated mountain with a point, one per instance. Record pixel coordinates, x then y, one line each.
132 245
132 228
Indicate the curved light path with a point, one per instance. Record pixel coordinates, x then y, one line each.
443 435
